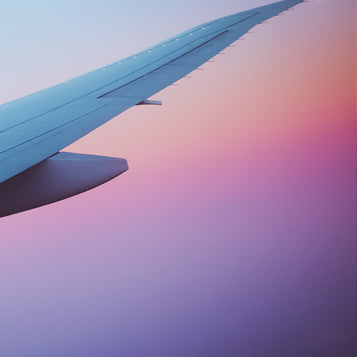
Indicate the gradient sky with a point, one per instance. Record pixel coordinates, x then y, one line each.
234 231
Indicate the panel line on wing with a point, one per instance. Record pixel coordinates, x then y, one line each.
166 64
181 56
53 129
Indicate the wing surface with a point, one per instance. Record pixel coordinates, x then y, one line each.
36 127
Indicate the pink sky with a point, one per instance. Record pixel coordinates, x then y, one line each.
234 228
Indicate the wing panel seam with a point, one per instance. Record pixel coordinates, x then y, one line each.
53 129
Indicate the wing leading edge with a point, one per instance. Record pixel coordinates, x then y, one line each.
37 127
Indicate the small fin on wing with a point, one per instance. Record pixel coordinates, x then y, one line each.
150 102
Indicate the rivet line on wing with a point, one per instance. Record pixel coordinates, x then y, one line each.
53 129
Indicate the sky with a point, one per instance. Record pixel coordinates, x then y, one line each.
234 231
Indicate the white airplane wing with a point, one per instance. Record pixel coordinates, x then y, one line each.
37 127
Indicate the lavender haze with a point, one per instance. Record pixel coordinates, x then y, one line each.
234 231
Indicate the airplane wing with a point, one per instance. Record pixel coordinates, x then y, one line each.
36 127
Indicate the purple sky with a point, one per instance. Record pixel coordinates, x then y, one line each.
233 234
